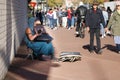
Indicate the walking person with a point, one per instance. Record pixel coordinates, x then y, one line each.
50 18
64 18
94 18
109 11
80 14
54 18
59 15
69 17
105 15
39 15
114 23
72 17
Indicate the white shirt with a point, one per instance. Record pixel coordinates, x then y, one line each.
105 15
54 15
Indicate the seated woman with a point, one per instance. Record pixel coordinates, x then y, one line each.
39 48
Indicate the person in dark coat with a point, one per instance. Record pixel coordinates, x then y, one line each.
80 14
39 15
94 18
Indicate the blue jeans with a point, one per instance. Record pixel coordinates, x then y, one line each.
102 30
54 22
72 21
118 47
51 22
69 23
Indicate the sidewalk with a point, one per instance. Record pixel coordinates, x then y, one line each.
91 66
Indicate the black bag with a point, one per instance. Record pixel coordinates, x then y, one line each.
43 38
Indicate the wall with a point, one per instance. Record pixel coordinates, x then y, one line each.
12 25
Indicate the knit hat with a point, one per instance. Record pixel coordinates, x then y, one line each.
95 3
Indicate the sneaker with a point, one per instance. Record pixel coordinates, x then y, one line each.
91 51
55 28
77 35
108 32
118 52
68 28
72 26
34 56
99 52
76 32
40 57
102 36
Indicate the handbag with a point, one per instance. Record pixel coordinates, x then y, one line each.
43 38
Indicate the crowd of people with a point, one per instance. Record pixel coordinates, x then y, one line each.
99 21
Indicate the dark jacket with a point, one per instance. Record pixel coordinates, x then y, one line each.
93 19
64 14
81 11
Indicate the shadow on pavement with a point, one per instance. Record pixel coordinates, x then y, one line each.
110 47
28 69
26 74
88 47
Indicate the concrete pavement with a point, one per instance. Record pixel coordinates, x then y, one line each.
91 66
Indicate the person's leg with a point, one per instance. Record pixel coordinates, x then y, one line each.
91 40
36 47
117 45
63 22
117 42
60 21
119 48
69 23
51 51
98 40
77 28
102 31
53 23
72 22
53 20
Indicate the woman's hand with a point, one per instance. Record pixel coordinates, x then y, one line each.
38 34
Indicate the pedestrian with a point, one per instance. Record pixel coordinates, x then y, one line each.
72 17
50 18
69 17
59 15
39 15
109 12
80 14
54 18
114 23
64 18
94 18
105 15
